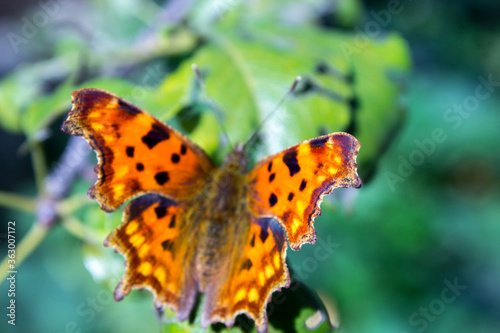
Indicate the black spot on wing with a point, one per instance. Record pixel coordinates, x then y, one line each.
270 226
273 199
290 196
160 211
264 234
139 166
166 245
129 108
318 142
175 158
303 185
290 160
183 150
271 177
270 166
162 177
247 264
139 205
130 151
172 222
156 135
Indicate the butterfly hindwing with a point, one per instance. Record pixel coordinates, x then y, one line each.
252 276
155 239
290 185
136 152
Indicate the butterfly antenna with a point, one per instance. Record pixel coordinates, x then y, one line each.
217 112
255 134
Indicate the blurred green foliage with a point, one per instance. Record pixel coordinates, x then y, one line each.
393 249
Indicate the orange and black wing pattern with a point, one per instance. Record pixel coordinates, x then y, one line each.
155 239
290 185
251 277
136 152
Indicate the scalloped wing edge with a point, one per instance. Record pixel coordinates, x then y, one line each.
351 180
355 181
183 311
73 126
261 323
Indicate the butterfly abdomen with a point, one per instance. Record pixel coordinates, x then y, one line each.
223 215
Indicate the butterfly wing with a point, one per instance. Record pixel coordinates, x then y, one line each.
255 271
136 152
290 185
155 239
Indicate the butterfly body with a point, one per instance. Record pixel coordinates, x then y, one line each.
193 227
223 218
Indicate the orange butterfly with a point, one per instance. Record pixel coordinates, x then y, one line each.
196 228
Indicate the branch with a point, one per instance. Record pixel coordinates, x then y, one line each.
16 201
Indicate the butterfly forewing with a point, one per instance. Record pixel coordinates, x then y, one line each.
289 186
136 152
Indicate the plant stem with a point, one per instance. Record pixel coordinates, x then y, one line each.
15 201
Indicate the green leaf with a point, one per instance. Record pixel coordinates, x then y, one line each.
16 91
45 108
247 74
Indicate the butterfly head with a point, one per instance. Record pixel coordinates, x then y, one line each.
236 160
